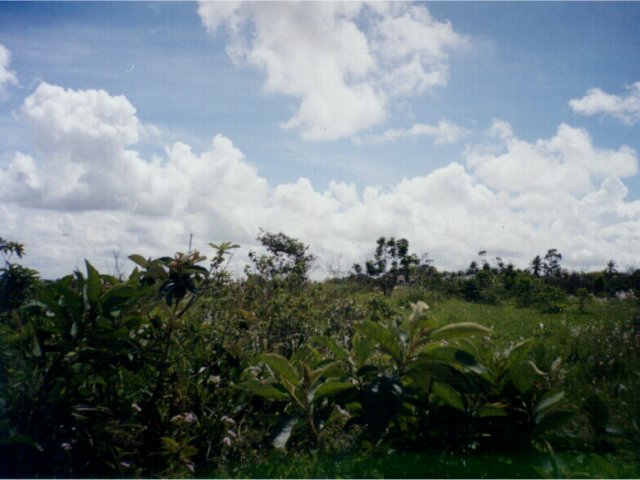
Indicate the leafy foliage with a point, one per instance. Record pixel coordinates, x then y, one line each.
16 282
180 370
391 262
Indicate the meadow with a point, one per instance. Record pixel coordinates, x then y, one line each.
181 370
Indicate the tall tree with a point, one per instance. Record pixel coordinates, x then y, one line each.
611 268
286 258
551 264
536 266
391 259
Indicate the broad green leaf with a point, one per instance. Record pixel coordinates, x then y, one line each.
465 382
418 378
331 370
424 323
492 410
362 349
65 298
330 344
265 390
520 350
448 354
368 371
155 270
139 260
548 401
93 287
331 388
522 376
455 356
449 395
306 354
354 408
459 330
550 421
386 340
281 366
465 358
117 296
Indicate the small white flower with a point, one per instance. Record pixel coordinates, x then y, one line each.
226 441
66 446
190 417
228 420
136 407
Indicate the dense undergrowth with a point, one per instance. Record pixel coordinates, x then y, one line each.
181 370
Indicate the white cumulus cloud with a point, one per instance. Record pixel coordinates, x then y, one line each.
568 162
625 108
87 192
7 76
343 61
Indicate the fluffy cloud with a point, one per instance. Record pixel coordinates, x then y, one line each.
567 192
344 62
87 192
7 77
625 108
568 162
67 120
443 133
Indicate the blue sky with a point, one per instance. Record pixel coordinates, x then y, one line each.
506 127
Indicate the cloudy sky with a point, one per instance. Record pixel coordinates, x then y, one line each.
507 127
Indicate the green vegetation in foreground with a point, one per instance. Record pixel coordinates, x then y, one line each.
182 371
435 465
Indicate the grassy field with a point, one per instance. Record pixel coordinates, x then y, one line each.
435 465
596 350
590 350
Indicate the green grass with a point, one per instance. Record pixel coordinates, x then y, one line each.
598 349
593 351
390 464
